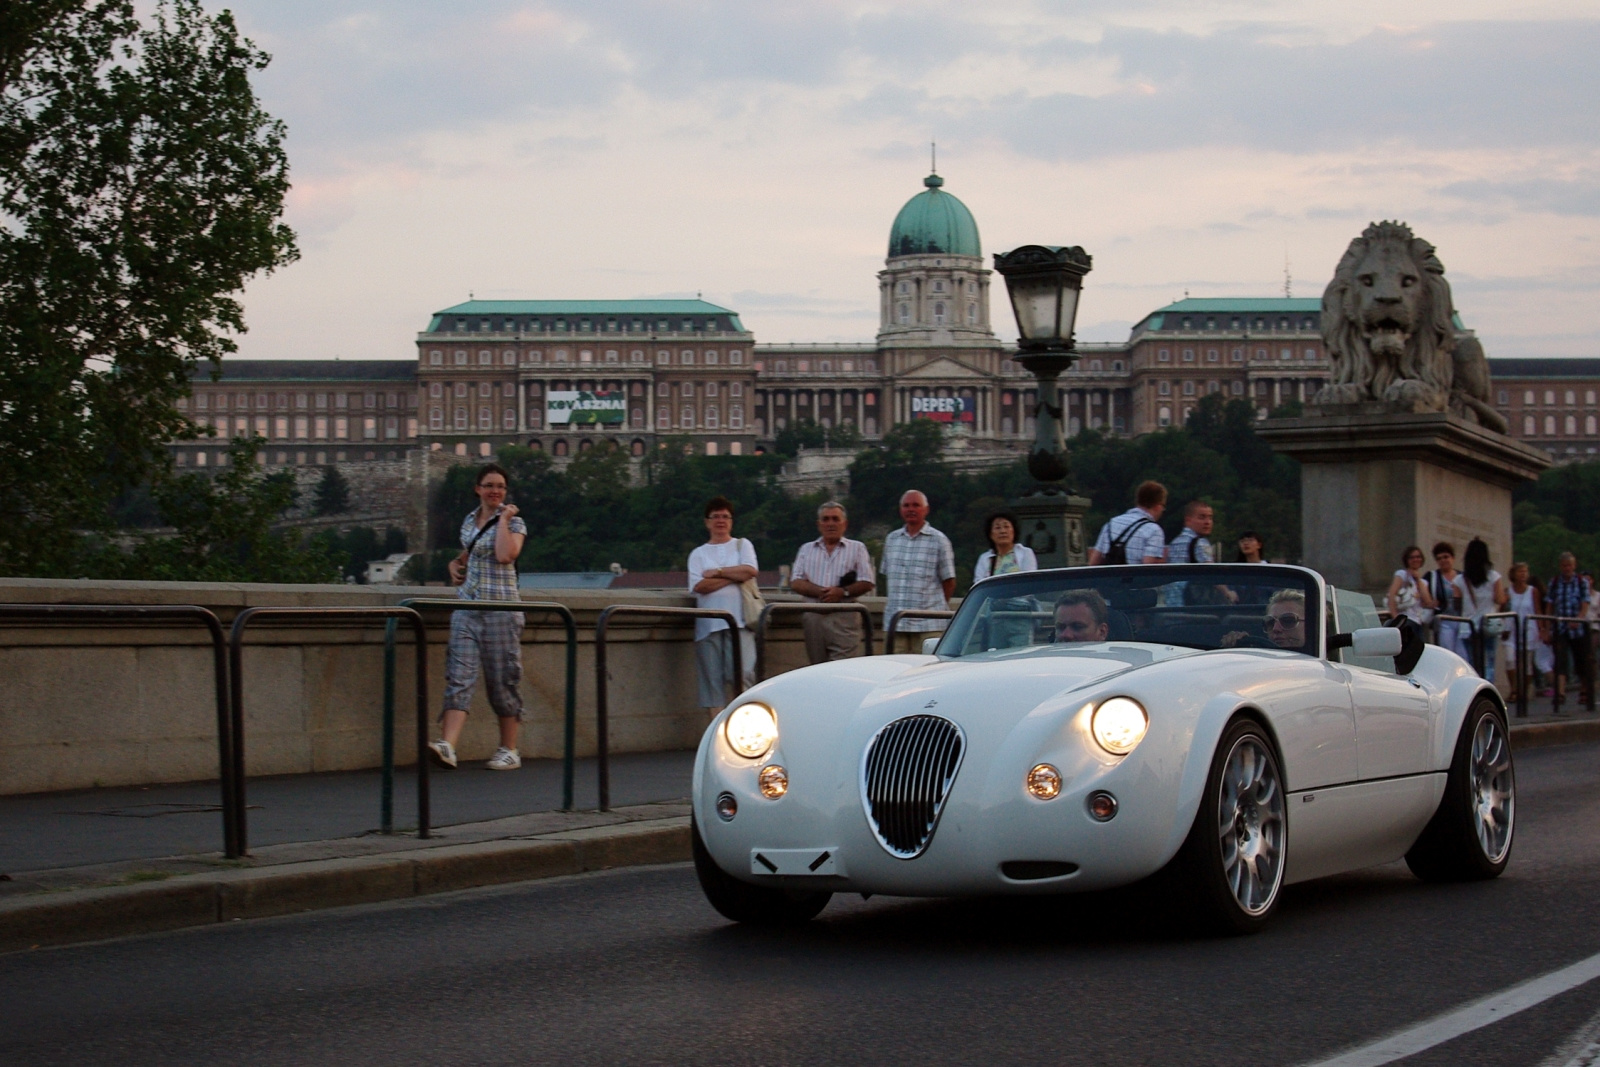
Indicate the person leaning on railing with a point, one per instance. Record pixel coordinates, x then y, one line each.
1568 597
833 569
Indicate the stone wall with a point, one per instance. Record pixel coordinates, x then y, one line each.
124 704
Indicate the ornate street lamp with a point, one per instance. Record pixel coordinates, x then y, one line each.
1044 282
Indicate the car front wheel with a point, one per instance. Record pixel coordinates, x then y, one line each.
755 904
1230 868
1469 836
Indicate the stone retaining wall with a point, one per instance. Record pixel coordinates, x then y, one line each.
126 704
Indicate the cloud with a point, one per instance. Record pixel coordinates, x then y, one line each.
1579 196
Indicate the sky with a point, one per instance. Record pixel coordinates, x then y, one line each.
756 153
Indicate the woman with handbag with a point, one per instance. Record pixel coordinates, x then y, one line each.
1483 591
1408 593
722 575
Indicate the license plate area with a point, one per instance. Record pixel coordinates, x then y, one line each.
801 862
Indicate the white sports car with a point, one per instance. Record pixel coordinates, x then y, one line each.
1232 728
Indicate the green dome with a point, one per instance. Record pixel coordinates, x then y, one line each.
934 222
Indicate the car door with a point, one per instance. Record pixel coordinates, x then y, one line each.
1394 717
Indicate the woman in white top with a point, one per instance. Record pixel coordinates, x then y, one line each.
1408 593
1483 590
1005 556
1527 599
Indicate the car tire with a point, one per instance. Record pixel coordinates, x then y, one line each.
1228 874
1469 837
754 904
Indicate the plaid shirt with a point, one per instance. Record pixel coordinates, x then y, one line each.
818 566
1178 550
488 578
1568 597
917 567
1147 540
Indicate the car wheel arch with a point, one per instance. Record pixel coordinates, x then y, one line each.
1215 720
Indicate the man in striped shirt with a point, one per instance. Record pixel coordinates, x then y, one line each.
833 569
921 567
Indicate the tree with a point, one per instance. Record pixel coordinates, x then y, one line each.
333 493
802 433
225 531
141 185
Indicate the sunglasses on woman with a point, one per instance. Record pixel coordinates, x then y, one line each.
1288 621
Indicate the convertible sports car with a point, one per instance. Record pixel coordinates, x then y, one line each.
1230 729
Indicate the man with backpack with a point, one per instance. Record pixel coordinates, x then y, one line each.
1134 536
1193 543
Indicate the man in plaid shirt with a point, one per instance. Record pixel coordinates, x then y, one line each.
1569 597
833 569
921 567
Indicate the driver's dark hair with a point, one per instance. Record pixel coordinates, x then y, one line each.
988 526
1476 565
1090 598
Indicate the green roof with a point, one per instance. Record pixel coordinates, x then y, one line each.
1225 304
585 307
934 222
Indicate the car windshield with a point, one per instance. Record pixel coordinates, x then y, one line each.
1204 606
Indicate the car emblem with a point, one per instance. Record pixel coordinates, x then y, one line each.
931 704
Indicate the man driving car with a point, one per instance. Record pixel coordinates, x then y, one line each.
1081 615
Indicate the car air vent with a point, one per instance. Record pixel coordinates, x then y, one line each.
1033 870
905 778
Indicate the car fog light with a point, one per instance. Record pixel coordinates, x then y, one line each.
751 730
1044 782
774 781
727 807
1102 806
1119 725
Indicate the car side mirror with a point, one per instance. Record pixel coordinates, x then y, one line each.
929 644
1371 641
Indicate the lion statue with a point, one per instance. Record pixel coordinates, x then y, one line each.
1389 324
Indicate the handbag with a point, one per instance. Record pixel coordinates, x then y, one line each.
750 597
1490 627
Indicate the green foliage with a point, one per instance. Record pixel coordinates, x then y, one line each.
359 546
333 493
224 532
592 515
807 433
141 185
1558 513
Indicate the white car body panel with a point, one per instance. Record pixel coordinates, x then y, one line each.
1363 762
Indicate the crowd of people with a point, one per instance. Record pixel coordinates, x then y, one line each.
1453 606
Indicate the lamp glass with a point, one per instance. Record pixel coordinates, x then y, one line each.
1036 300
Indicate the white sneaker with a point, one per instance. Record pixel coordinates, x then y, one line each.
504 759
444 754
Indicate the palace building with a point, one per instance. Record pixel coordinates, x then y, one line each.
565 375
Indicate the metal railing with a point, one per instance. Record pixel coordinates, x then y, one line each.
910 613
302 615
231 845
1558 634
602 712
452 604
808 608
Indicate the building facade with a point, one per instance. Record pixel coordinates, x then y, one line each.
567 375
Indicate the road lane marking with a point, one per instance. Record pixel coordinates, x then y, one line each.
1582 1049
1467 1018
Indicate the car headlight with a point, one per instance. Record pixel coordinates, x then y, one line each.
1118 725
751 730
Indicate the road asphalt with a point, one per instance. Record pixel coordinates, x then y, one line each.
632 966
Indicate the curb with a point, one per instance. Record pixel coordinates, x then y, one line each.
201 899
1541 734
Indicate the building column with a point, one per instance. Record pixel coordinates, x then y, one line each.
522 405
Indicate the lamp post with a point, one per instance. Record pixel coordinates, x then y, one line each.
1044 283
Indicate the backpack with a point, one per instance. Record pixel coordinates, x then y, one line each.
1117 551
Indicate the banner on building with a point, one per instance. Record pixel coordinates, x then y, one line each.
585 409
942 408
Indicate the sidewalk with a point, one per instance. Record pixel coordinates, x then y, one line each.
107 863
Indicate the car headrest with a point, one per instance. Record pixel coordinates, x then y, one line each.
1133 599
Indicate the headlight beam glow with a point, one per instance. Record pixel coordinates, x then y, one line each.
1119 725
751 730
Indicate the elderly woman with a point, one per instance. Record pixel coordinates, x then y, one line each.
1005 556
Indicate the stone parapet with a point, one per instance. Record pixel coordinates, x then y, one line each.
130 704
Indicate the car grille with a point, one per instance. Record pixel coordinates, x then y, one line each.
905 778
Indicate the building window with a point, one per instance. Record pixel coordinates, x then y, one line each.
1505 398
711 417
435 419
686 418
485 357
711 389
508 419
1164 355
1588 425
1286 353
369 428
1238 388
1211 355
1549 425
904 314
1311 353
322 427
461 418
1213 387
1188 389
586 355
1188 355
736 356
280 427
1527 397
1164 388
736 416
938 312
1238 355
1549 396
663 389
391 428
711 358
663 419
1588 398
1095 364
1572 398
686 389
687 357
638 355
663 357
1164 417
509 358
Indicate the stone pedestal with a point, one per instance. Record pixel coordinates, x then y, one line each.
1373 481
1052 525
